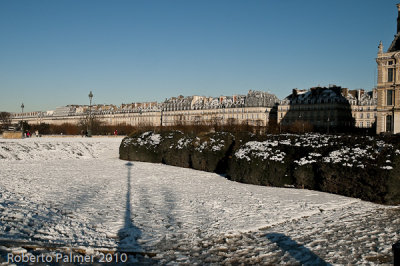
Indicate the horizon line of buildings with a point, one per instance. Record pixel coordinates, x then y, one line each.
321 107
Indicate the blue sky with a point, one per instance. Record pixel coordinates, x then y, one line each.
52 53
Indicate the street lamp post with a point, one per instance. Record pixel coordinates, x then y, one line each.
22 119
162 110
90 115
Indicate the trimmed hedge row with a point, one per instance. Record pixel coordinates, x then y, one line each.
360 167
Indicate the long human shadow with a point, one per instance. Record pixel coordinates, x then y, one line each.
299 252
127 238
129 234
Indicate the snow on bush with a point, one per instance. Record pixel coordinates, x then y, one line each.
149 138
145 139
183 143
311 158
217 145
155 139
214 144
348 151
350 156
261 150
304 161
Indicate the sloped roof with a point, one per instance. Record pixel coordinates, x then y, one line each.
395 46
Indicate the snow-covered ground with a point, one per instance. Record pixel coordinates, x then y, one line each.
76 192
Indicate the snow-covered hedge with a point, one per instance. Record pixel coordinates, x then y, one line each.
358 166
203 152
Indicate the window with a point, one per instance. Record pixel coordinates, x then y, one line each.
388 123
390 63
390 74
367 115
389 97
361 115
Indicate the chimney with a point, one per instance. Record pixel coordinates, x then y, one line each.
345 92
398 18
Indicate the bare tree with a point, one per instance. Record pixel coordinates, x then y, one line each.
5 120
92 123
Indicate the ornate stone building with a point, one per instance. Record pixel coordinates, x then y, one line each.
332 108
255 108
388 108
323 108
363 107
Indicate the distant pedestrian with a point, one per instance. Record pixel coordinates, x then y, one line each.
82 133
37 133
115 132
